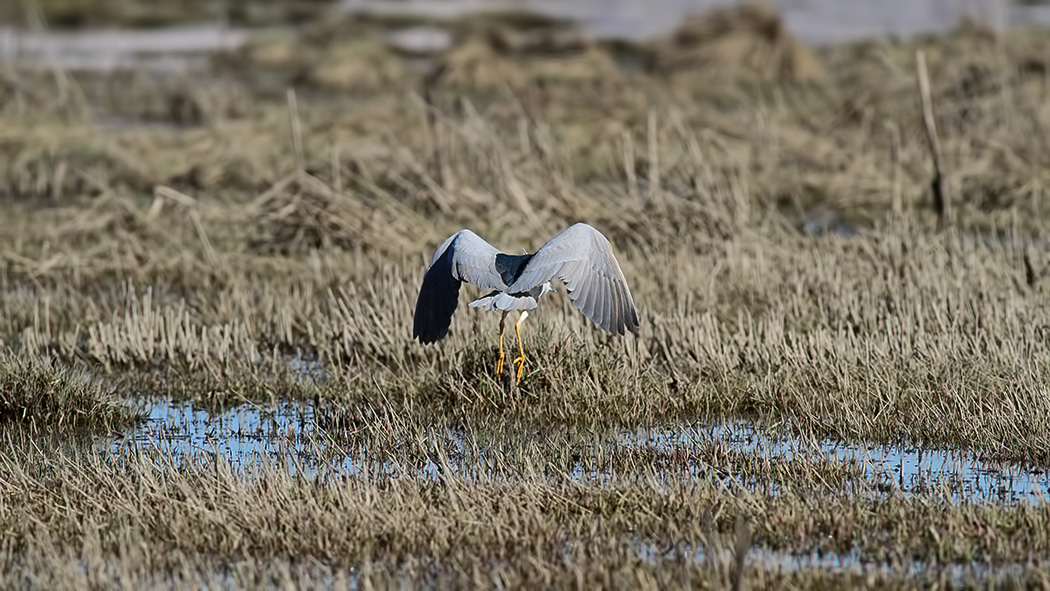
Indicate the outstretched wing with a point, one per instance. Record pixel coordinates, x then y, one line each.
463 257
582 258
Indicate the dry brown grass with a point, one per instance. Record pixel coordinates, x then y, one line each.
830 148
41 395
520 524
189 260
749 42
891 335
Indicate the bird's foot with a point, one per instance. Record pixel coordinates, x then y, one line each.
499 365
519 362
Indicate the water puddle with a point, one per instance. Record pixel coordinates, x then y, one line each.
169 49
286 434
244 436
911 470
846 563
251 436
421 40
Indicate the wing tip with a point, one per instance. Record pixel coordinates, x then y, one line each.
431 328
437 301
428 339
630 322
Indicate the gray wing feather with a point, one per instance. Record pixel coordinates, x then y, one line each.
607 306
619 318
597 295
582 259
462 257
473 260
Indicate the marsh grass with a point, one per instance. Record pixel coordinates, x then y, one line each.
886 337
143 516
46 395
212 259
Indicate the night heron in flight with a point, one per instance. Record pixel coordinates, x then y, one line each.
580 257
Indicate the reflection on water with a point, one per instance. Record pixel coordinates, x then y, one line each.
248 435
962 575
286 435
890 467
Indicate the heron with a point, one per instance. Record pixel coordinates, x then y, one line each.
580 257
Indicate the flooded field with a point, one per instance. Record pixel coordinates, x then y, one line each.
290 437
832 220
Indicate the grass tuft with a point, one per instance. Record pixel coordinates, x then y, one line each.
44 395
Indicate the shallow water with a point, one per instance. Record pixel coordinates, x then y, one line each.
168 49
181 48
853 562
245 436
815 21
286 435
908 469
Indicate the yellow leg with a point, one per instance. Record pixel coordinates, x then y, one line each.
519 362
499 364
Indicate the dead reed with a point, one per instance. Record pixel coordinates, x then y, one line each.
193 258
146 518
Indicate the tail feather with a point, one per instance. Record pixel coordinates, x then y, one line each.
505 302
